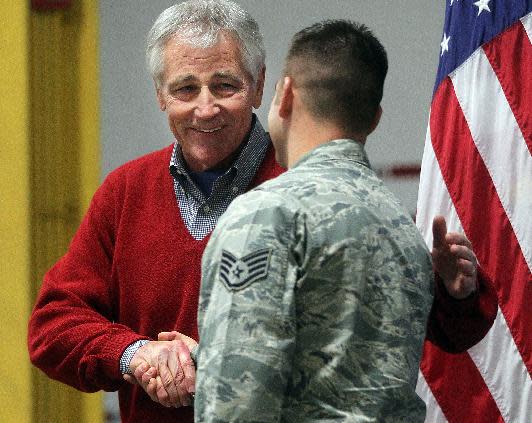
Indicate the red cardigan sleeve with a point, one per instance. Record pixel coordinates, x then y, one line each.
456 325
71 336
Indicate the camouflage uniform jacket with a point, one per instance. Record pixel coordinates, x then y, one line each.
316 287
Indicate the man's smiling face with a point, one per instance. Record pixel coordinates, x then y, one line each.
208 96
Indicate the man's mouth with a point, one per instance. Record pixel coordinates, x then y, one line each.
208 131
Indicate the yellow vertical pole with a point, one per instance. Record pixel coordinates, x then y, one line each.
64 165
89 145
89 107
16 394
49 160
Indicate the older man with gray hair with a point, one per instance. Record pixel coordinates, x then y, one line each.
133 269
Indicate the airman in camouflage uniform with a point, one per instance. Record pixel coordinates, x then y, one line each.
316 286
315 292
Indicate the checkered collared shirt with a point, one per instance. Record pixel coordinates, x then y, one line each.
199 212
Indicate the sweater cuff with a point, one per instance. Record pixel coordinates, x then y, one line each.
456 325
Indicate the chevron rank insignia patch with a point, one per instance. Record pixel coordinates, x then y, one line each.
238 273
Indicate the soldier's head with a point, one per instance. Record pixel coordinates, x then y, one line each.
338 67
206 58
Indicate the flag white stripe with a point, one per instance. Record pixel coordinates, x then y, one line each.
503 370
433 198
434 413
527 23
499 141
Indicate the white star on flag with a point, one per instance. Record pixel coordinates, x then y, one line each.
482 5
444 44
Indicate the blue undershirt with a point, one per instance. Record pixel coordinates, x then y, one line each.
205 180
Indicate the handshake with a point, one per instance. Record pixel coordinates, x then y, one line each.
165 369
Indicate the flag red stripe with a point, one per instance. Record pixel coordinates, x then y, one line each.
513 67
490 232
458 387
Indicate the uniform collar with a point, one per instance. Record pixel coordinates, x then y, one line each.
345 148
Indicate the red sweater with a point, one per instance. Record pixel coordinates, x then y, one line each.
131 271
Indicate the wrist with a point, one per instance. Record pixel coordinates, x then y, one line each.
127 355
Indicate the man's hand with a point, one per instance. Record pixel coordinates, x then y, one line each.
165 371
454 260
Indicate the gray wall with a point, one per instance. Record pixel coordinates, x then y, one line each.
410 30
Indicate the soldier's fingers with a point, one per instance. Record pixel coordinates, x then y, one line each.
178 373
181 388
187 364
166 376
175 368
162 393
167 336
439 229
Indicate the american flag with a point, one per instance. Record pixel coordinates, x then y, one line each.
477 171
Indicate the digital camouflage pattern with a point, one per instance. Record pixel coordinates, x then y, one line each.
315 293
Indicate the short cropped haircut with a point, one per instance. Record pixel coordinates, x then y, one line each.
199 22
340 67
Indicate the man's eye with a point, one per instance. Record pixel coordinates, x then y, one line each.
185 89
225 86
184 92
225 89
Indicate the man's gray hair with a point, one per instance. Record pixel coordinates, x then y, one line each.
199 23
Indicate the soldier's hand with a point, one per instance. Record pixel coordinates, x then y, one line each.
184 380
174 335
186 361
453 260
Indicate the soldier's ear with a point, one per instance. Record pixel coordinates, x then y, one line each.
286 97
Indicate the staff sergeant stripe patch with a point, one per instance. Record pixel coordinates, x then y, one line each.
238 273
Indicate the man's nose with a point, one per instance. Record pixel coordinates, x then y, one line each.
207 106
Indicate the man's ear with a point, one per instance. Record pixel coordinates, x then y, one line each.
286 98
160 98
376 120
259 88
